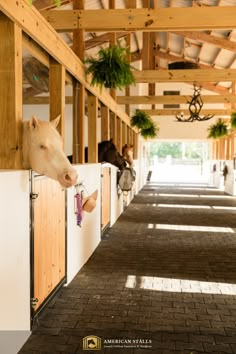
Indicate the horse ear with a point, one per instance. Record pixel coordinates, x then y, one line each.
56 121
33 122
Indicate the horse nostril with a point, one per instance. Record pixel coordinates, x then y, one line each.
67 177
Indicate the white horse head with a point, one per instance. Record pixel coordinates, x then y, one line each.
42 150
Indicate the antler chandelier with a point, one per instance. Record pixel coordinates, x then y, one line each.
195 106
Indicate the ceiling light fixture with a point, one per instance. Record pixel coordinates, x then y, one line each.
195 106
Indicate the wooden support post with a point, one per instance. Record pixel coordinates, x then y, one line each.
10 94
218 149
124 133
78 122
105 123
213 150
128 134
232 146
131 136
119 134
222 149
78 94
114 128
135 146
57 94
112 43
92 128
228 147
127 89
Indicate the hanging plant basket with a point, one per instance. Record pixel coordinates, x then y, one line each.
140 119
111 69
218 129
151 132
147 128
233 120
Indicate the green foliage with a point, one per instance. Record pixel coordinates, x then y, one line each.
233 120
163 149
218 129
150 132
147 128
178 150
111 69
140 119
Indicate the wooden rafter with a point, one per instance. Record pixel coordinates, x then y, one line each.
174 99
146 20
174 112
207 75
174 58
203 37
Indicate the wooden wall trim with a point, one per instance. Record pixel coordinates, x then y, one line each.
10 94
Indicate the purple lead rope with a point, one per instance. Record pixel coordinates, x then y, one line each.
79 208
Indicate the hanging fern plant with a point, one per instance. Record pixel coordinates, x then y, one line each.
140 119
218 129
111 69
147 128
233 120
151 132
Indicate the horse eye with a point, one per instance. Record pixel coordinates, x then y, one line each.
43 147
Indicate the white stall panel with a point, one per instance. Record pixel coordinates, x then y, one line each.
14 259
82 241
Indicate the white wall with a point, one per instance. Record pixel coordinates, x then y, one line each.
116 200
15 260
82 241
217 178
230 185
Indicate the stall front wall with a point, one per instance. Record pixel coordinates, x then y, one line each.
116 201
227 183
82 241
217 176
230 184
15 259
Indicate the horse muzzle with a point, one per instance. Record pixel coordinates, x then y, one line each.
68 178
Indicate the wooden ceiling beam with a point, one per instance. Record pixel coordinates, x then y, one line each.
146 20
174 99
174 112
172 57
104 38
209 39
48 5
191 75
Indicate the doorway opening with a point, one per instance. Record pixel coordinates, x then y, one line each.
179 161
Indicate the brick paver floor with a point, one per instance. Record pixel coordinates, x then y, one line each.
162 280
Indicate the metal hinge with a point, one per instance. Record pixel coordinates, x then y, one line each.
34 301
34 196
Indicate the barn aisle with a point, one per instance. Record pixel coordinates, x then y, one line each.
163 280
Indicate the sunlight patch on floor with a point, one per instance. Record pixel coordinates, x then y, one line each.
179 285
184 206
223 207
190 228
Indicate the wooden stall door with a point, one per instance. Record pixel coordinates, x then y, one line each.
106 196
49 237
